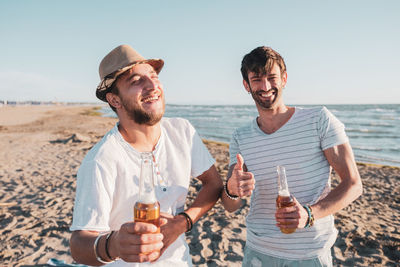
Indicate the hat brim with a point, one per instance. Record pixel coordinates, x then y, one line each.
106 83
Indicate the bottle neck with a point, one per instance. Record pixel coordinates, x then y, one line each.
283 189
146 182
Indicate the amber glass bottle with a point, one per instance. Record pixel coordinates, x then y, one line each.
147 208
284 198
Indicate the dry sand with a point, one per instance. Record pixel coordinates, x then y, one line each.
41 150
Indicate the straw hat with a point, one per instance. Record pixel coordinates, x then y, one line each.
119 60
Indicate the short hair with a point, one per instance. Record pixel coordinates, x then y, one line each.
261 60
114 90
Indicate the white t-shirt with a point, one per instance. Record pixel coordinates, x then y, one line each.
107 183
298 146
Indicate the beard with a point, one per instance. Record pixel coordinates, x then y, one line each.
266 104
140 116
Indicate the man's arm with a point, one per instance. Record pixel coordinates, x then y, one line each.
128 243
349 189
239 183
205 200
208 195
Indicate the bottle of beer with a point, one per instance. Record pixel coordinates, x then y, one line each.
147 208
284 198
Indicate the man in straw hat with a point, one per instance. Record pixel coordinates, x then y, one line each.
107 184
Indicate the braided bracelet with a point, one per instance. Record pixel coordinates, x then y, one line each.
189 222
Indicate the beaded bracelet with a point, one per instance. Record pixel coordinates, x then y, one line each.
99 259
189 222
310 220
227 192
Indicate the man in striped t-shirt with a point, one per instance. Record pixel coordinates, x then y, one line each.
309 143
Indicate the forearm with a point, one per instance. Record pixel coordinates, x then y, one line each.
340 197
207 196
82 250
350 187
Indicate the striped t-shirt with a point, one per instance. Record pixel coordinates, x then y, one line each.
298 145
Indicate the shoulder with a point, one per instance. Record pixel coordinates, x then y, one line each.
176 125
178 130
319 110
106 150
175 122
325 114
310 111
244 132
246 128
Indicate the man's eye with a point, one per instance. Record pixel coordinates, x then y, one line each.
135 80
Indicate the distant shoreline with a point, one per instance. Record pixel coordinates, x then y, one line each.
67 103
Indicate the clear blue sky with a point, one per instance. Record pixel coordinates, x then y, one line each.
336 51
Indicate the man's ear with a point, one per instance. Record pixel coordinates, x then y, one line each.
113 100
246 86
284 79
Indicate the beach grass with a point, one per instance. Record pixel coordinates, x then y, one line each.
93 111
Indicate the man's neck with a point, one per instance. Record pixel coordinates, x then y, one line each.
271 120
142 137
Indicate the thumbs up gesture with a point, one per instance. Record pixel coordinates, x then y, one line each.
240 183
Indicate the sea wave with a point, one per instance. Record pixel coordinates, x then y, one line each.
380 110
376 137
371 124
366 148
385 149
366 130
379 160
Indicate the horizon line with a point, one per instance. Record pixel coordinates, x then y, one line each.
40 102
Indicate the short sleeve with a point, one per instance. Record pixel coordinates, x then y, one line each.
233 148
331 130
93 198
201 157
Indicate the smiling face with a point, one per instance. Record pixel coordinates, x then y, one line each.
266 89
140 95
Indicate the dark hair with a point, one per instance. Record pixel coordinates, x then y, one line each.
261 60
114 90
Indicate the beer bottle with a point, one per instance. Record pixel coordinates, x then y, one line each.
147 208
284 198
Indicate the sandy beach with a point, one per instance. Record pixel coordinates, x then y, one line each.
41 150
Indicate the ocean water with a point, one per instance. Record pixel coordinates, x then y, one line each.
374 130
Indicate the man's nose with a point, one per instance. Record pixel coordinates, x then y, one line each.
266 85
151 83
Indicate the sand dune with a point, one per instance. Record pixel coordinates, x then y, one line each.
41 150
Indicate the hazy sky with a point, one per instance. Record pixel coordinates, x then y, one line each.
336 52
